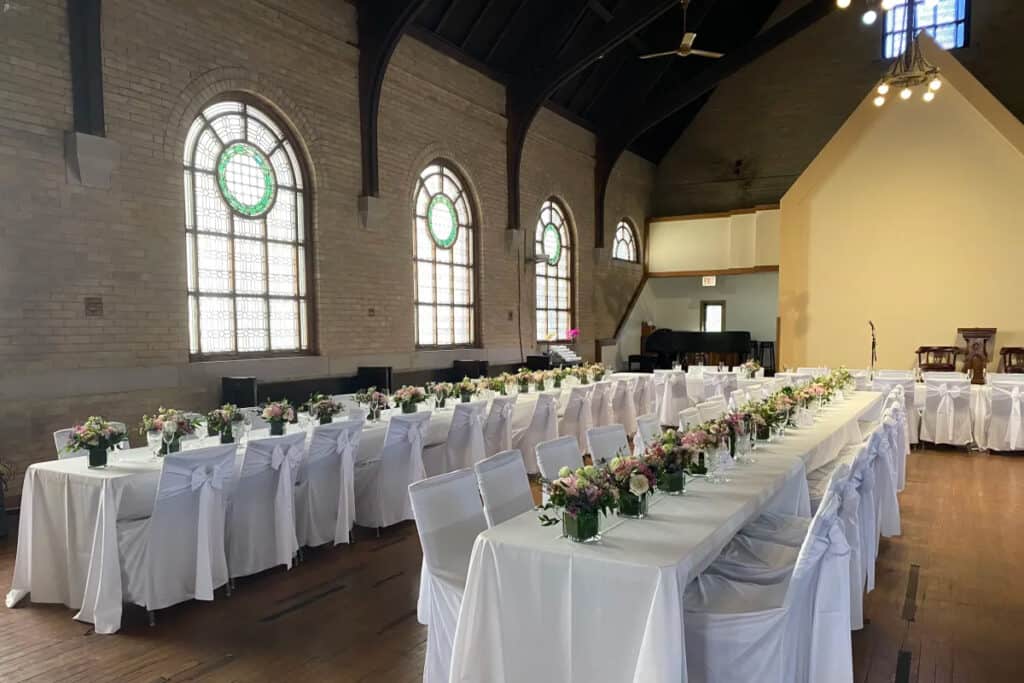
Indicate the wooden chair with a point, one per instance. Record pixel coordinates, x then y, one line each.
1012 359
937 358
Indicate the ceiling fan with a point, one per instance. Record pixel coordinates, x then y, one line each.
686 46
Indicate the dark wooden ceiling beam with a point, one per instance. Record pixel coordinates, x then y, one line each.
381 25
503 36
86 53
638 120
531 88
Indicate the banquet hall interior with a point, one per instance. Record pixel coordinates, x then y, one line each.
508 341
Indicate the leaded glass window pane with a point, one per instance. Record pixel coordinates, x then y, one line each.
554 282
946 22
443 258
624 248
245 224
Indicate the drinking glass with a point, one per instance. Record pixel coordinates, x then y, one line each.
721 461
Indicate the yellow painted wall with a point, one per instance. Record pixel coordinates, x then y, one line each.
911 217
744 239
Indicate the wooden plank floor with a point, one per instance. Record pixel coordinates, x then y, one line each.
348 613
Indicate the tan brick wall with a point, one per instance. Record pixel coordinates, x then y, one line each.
162 62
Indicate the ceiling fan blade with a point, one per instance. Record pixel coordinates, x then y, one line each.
659 54
688 39
705 53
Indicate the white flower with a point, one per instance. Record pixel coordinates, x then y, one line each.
638 484
170 426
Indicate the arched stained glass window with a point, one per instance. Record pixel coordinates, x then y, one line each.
443 259
246 235
554 273
624 248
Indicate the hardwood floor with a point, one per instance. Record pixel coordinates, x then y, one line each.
348 613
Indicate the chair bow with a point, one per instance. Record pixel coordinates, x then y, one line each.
1014 424
506 410
210 475
947 395
284 508
347 507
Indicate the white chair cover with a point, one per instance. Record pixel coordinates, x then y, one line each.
578 415
605 443
382 483
648 429
552 456
793 631
885 479
543 427
813 372
449 516
711 410
261 517
643 395
498 427
178 553
504 486
325 499
623 405
61 437
947 412
1006 425
658 384
887 380
739 398
674 398
689 418
861 379
601 404
465 443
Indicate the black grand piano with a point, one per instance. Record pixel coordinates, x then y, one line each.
698 348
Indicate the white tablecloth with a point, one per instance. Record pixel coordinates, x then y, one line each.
67 534
694 383
539 608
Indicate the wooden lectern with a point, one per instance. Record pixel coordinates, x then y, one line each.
976 358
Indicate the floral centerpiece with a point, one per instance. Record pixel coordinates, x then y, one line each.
407 398
558 375
497 384
97 436
374 400
582 373
171 425
441 391
634 479
221 422
582 496
523 378
669 459
698 441
466 389
750 368
597 371
277 413
323 408
572 335
843 379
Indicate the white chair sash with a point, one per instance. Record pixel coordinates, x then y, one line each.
347 452
287 464
944 417
206 480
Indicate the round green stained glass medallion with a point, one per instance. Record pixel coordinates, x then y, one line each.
246 179
552 241
442 221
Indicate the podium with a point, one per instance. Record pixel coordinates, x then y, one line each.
976 358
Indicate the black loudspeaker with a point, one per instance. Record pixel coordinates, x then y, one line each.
238 390
379 376
469 368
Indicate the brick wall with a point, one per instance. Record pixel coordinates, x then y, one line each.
162 61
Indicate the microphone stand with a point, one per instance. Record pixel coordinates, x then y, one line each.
874 350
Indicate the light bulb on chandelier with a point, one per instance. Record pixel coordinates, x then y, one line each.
869 17
883 89
928 96
906 93
935 84
842 4
879 101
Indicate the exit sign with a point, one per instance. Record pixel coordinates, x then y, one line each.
709 281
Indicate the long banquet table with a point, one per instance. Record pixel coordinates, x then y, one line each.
539 608
67 535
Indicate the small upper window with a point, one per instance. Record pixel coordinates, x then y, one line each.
624 246
943 20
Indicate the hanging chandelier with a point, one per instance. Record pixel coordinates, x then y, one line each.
911 69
